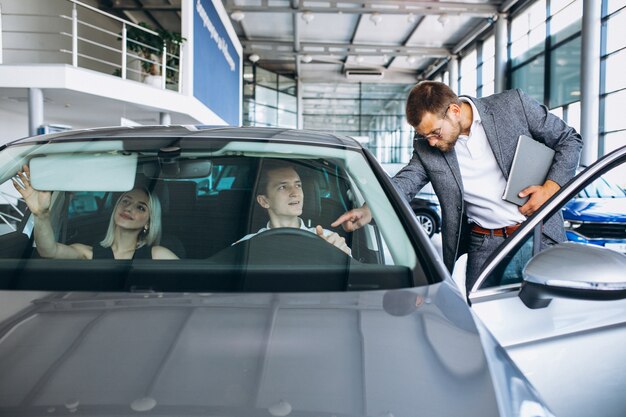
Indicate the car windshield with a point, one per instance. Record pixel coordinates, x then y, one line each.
222 203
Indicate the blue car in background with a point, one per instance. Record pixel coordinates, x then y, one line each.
598 216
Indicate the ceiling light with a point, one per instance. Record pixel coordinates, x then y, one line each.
307 16
237 15
411 59
307 58
411 18
443 19
254 58
376 18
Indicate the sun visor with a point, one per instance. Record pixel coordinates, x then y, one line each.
83 172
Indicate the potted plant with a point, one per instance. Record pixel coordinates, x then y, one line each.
150 48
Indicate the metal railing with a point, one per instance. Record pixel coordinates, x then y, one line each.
96 47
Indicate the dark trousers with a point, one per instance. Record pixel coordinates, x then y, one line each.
479 249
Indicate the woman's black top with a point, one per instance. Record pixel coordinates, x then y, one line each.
144 252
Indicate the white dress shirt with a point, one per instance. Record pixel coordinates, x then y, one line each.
483 181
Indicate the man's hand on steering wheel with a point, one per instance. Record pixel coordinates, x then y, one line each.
334 239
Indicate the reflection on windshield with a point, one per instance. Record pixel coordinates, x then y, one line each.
601 188
228 211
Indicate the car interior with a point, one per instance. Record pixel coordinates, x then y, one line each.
208 205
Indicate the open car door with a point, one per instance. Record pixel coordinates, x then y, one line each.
561 313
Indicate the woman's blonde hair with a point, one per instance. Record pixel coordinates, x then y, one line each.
153 236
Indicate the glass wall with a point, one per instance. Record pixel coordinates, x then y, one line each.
565 73
468 74
371 113
545 51
544 45
486 67
269 99
613 86
530 78
476 69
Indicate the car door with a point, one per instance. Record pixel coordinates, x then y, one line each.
572 349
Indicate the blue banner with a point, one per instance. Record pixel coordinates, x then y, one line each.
216 72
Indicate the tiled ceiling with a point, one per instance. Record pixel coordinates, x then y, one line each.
382 40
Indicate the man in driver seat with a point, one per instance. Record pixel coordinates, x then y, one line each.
280 192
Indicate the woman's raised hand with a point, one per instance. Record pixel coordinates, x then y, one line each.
38 201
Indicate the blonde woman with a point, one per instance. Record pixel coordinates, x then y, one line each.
134 229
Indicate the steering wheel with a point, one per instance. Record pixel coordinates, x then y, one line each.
283 246
291 233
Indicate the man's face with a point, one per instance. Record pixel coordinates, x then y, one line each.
440 131
284 196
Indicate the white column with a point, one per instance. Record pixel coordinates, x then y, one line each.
35 110
453 70
165 118
501 53
124 50
186 21
590 80
74 35
0 33
299 105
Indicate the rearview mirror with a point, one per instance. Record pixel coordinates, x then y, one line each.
573 270
83 172
177 168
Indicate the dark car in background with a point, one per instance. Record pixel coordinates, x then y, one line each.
427 211
425 204
598 215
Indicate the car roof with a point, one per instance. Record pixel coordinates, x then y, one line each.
191 131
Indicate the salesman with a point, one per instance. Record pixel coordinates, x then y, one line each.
465 146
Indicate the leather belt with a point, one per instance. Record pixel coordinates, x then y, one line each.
501 232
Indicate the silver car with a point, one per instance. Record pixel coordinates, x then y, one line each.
256 319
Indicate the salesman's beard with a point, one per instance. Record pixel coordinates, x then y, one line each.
446 143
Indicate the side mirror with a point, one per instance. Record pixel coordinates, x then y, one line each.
574 270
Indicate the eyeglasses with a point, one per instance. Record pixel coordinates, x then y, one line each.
436 134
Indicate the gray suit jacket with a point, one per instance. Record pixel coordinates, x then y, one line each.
505 117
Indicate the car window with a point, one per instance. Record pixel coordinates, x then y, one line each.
214 217
11 208
602 188
598 218
85 203
510 270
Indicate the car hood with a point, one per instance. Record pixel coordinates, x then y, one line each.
596 210
396 353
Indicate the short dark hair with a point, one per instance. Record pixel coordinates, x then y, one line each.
265 167
428 97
